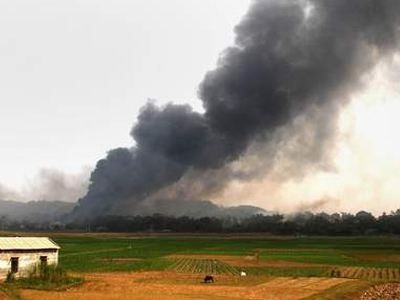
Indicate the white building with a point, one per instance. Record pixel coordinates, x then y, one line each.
20 255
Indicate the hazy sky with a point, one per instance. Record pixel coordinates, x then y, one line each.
366 173
73 75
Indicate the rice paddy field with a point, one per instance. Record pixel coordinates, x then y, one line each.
172 267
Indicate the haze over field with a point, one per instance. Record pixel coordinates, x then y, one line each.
298 113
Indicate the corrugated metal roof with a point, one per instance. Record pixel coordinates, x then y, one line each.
27 243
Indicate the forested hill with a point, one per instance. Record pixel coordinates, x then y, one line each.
34 211
42 215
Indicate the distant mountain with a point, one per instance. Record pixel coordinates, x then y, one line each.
34 211
244 211
53 211
190 208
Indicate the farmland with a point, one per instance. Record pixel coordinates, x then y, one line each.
100 254
299 267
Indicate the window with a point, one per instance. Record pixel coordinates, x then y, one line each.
43 261
14 264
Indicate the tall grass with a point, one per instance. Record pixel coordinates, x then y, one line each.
47 277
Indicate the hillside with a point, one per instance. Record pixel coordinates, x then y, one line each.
34 211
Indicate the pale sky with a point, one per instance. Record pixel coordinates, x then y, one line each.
74 74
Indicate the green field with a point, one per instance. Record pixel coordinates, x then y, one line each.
326 256
272 264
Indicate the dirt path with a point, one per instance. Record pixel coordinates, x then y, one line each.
173 286
3 296
94 252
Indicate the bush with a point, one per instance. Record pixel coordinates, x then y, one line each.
48 273
10 277
47 277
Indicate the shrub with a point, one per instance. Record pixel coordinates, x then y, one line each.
10 277
48 273
47 277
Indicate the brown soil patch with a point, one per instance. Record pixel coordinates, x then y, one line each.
380 258
247 261
3 296
173 286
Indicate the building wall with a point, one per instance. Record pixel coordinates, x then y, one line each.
27 260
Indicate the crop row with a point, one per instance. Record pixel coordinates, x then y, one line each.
386 274
207 266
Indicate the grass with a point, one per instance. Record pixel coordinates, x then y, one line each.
117 253
93 254
38 284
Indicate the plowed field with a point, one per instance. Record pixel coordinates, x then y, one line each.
378 274
208 266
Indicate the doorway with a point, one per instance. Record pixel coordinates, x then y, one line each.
14 264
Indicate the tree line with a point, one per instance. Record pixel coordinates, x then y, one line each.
307 223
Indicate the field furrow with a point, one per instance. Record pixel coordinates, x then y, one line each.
206 266
373 274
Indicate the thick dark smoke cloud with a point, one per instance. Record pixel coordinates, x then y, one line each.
291 59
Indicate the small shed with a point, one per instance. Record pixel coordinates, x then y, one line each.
19 255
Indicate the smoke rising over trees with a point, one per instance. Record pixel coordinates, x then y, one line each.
291 59
306 223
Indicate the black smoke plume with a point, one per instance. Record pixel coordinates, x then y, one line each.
291 58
